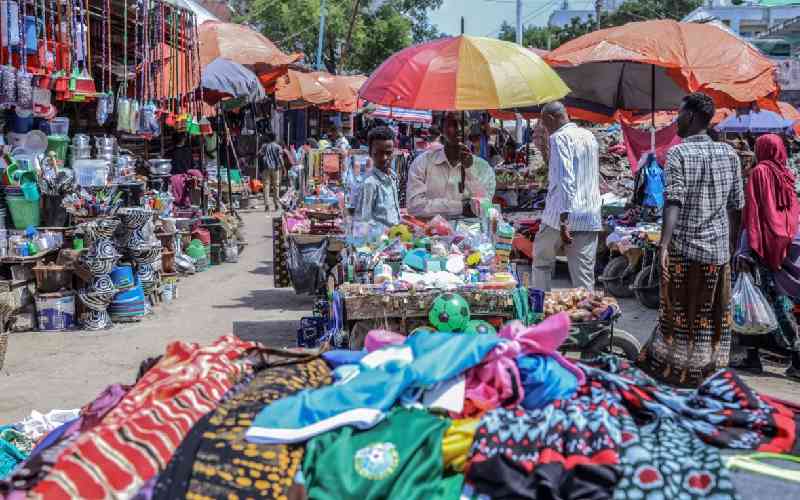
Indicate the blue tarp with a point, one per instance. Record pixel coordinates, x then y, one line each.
760 122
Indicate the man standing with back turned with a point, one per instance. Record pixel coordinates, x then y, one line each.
703 202
572 212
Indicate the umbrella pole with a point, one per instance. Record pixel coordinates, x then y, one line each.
653 108
528 144
461 183
220 148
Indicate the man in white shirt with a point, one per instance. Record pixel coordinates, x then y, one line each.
437 183
572 212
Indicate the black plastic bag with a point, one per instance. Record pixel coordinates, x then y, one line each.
306 265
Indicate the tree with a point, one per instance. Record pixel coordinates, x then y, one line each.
381 28
544 37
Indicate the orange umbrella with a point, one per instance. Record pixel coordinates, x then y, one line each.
332 92
618 67
344 90
242 45
302 88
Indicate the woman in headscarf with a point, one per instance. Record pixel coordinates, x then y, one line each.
769 223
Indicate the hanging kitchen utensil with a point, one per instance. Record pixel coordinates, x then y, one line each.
47 59
9 72
24 78
104 98
84 83
60 76
123 104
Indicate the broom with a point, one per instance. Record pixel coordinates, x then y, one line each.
84 83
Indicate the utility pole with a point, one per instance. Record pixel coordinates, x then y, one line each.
598 7
518 127
321 40
356 5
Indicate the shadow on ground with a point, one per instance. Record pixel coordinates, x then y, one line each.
266 268
272 299
270 333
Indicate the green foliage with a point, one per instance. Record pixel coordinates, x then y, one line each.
544 37
377 33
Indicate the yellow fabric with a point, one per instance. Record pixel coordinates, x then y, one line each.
493 74
457 442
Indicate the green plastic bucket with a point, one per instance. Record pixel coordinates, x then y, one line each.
58 144
24 213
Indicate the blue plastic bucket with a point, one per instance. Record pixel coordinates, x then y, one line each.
122 276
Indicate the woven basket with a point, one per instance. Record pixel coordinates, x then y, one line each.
3 347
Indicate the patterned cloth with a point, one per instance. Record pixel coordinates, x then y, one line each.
704 178
136 439
693 337
215 461
626 436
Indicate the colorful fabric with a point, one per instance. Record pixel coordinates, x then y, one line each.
771 209
216 462
365 399
40 462
692 339
652 437
544 381
399 458
457 442
136 439
496 381
704 178
637 143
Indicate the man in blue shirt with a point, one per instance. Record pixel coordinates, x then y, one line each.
379 201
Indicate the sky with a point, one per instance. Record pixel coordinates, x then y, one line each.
484 17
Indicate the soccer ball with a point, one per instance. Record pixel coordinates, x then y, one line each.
449 313
480 327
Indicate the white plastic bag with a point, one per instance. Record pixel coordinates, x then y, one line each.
752 313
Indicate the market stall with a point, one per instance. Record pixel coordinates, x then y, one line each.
104 188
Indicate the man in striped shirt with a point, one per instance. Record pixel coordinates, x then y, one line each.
572 212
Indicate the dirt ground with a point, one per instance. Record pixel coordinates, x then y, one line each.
45 371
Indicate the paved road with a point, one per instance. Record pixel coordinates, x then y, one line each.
44 371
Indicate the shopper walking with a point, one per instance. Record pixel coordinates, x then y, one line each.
571 217
703 202
270 167
770 219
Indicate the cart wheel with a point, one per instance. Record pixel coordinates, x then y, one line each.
625 346
618 285
647 293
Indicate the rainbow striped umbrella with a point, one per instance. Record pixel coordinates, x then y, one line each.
464 73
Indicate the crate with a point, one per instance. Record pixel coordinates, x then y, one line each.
52 278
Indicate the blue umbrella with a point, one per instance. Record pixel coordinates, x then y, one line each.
760 122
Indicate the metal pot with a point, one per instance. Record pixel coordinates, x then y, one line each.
160 166
105 142
81 153
126 161
80 141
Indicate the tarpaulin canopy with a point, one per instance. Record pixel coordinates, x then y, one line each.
463 73
240 44
402 114
616 67
224 78
756 122
332 92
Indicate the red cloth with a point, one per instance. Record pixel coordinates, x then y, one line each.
637 142
771 209
137 439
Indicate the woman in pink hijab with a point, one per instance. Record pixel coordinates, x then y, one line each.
769 224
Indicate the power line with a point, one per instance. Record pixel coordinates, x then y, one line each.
529 16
